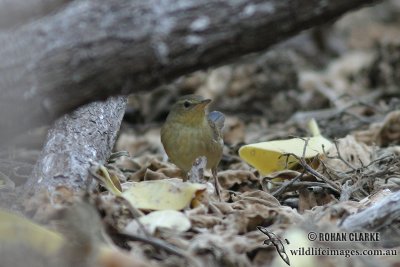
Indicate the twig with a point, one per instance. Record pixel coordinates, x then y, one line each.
136 213
339 156
326 169
158 243
307 168
360 176
283 188
307 184
311 171
347 190
320 176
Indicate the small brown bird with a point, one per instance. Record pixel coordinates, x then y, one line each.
190 132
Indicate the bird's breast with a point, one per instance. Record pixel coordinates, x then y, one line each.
183 144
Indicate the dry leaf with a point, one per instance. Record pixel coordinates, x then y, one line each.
309 199
150 175
219 250
355 153
163 194
204 221
257 196
229 178
384 133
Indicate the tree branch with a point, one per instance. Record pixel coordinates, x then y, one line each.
86 135
375 217
97 48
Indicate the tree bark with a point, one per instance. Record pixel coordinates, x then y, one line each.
98 48
84 136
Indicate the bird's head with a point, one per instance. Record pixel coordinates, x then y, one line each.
190 109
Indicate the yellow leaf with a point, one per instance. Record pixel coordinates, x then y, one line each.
267 157
18 230
167 194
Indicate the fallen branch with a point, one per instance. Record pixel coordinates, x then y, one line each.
97 48
86 135
377 216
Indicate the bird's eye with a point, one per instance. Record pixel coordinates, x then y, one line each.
186 104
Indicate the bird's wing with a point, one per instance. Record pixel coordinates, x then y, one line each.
217 118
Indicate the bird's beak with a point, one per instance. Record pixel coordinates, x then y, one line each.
204 103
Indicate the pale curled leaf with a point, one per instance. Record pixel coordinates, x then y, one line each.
110 182
297 239
167 194
170 219
313 127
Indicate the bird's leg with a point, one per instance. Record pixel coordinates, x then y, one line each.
216 183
